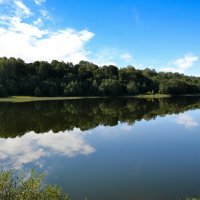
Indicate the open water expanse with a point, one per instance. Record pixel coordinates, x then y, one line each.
107 149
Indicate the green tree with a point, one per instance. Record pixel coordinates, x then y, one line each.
37 92
71 89
3 92
86 78
132 88
110 87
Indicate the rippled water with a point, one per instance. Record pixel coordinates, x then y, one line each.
107 148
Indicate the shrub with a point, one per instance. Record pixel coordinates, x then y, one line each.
32 188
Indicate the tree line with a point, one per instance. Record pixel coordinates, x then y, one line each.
41 78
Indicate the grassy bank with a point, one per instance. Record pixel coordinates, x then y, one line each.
18 99
153 96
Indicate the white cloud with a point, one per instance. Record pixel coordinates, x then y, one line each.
22 9
127 57
39 2
31 42
31 147
186 62
23 35
111 56
181 64
38 21
187 121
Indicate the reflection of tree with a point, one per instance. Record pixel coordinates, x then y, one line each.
17 119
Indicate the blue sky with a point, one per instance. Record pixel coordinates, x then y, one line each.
160 34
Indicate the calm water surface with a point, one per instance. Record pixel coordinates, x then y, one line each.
107 148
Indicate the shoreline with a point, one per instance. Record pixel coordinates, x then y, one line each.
23 99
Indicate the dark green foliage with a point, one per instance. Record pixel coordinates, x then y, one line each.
71 89
37 92
2 91
110 87
132 88
87 79
14 188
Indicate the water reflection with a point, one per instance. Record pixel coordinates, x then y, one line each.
31 147
107 148
187 121
41 117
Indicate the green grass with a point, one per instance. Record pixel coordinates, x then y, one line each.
18 99
156 96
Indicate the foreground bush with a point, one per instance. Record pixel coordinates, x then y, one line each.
32 188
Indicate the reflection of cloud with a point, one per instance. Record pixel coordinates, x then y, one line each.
187 121
114 132
31 147
126 127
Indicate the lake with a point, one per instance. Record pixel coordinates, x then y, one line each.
106 149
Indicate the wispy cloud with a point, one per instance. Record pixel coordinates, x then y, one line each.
181 64
22 9
187 121
136 16
105 57
112 56
127 57
31 41
39 2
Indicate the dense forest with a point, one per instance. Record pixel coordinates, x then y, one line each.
87 79
16 119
